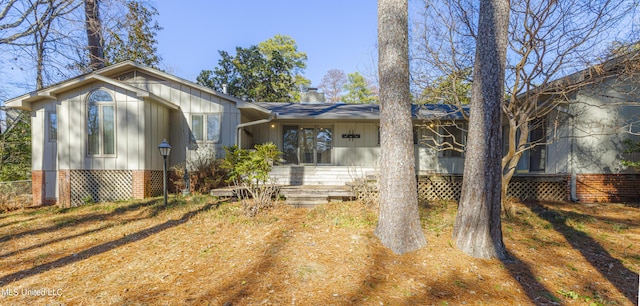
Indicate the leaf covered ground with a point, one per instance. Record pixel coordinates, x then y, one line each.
201 251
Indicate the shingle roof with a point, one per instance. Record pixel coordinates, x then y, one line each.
354 111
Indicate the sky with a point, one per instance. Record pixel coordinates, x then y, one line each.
335 34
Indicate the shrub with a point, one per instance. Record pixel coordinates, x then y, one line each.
205 171
249 174
631 147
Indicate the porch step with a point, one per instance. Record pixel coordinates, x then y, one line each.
223 192
311 196
317 175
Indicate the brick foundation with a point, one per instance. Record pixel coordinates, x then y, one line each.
141 184
37 187
64 188
608 187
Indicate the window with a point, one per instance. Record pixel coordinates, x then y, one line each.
101 138
533 158
53 127
538 138
206 127
452 139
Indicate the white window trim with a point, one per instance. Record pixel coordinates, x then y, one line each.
205 125
49 127
100 105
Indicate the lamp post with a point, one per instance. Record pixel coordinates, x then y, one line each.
165 150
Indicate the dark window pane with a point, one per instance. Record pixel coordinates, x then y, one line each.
108 130
290 144
99 96
53 127
197 127
213 128
93 129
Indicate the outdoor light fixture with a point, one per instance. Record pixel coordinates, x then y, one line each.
165 150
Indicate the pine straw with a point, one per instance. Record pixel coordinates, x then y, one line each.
199 251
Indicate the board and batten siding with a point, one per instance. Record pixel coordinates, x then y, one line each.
190 100
602 118
129 134
591 141
43 151
363 151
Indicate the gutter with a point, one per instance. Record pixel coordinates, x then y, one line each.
246 124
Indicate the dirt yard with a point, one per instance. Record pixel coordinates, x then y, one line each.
200 251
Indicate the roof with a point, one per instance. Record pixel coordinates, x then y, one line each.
108 74
355 111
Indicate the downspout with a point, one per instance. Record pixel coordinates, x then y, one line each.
572 171
573 183
246 124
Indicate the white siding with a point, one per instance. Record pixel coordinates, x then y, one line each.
176 127
363 151
38 114
72 136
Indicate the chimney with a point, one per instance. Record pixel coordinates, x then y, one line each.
311 95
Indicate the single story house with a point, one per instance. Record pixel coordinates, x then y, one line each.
95 136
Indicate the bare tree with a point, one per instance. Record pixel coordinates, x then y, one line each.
399 223
44 38
94 34
332 85
477 230
548 39
14 17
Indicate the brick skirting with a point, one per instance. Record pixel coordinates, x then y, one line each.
608 187
37 187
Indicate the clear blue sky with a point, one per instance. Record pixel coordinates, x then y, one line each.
335 34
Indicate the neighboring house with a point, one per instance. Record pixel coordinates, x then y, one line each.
95 137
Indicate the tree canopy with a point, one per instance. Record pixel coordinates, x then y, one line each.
15 148
358 90
134 37
267 72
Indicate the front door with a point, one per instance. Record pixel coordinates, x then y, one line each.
307 145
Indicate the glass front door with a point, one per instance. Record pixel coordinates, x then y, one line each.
307 144
324 144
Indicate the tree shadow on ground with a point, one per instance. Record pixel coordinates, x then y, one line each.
625 280
52 241
536 291
249 282
16 222
441 290
102 248
102 217
373 279
87 218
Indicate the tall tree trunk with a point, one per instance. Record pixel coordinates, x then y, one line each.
477 229
94 34
399 223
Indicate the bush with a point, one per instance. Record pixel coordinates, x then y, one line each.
205 171
631 147
15 195
249 174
